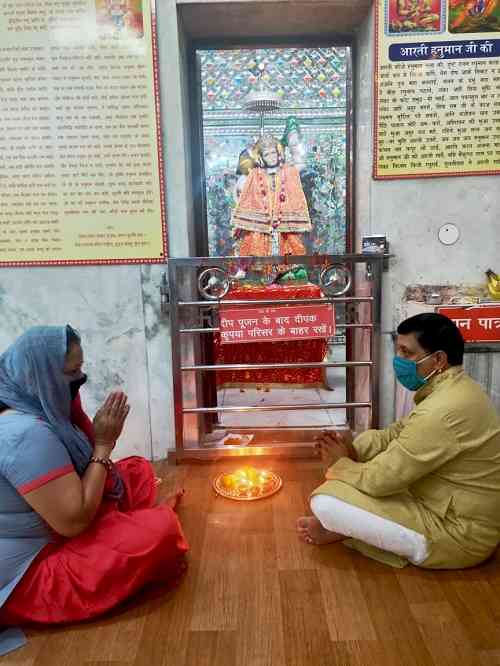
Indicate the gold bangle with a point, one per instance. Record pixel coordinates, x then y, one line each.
102 461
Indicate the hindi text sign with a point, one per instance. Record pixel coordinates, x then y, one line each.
437 76
81 167
296 322
477 323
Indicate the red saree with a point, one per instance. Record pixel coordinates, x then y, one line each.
128 545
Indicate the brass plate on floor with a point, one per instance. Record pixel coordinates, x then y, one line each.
245 494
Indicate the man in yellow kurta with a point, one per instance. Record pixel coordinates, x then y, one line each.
425 490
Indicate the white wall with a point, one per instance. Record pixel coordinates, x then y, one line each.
103 303
410 213
126 339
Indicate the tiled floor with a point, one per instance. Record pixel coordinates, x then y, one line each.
234 397
281 396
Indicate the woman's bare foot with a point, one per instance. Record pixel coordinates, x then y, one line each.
158 481
312 531
173 500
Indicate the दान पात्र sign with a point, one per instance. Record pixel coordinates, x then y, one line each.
476 323
280 323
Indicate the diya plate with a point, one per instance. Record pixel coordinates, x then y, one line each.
247 484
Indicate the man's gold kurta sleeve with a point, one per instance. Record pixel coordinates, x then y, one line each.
420 446
372 442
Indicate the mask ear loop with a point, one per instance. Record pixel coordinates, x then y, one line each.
437 371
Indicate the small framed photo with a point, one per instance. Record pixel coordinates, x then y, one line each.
376 244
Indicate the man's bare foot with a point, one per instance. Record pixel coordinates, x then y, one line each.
312 531
173 500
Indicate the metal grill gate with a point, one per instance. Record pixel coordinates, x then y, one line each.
193 316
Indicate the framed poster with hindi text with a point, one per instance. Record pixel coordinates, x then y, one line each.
81 167
436 88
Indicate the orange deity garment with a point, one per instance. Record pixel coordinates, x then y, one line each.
263 209
255 244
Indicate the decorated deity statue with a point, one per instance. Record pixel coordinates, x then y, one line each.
271 215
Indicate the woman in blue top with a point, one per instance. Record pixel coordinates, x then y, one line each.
78 534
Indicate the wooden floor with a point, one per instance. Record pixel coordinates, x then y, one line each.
255 596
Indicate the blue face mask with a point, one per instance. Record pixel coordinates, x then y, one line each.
406 372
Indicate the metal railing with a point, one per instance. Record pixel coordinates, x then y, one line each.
184 299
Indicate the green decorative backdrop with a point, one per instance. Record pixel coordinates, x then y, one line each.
312 86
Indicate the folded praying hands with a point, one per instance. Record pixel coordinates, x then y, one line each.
332 446
110 419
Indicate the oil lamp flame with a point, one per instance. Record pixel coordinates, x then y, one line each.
248 483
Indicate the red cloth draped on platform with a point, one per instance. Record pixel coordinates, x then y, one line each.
296 351
127 546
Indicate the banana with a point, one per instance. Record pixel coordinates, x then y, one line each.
493 278
494 294
493 284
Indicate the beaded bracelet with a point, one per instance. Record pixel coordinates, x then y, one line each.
102 461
